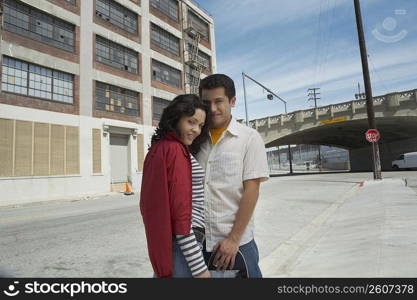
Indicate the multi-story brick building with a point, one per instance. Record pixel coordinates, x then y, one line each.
83 85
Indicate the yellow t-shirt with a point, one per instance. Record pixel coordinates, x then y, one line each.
216 134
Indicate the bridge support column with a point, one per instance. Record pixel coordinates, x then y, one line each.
393 100
352 107
299 117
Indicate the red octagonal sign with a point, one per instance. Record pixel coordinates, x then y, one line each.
372 135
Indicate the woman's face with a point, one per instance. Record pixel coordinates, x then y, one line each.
190 127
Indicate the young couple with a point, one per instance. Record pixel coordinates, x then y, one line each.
201 177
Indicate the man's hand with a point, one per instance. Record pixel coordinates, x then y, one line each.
225 254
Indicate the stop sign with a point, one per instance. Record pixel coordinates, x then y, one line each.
372 135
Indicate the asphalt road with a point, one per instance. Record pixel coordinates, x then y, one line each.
104 237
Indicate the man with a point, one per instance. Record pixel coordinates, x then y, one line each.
235 163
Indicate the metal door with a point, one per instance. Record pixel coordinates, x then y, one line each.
119 158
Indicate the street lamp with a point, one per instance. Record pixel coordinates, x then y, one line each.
270 96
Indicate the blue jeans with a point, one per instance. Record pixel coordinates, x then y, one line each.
249 251
251 255
180 267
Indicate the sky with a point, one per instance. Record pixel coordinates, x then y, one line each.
291 46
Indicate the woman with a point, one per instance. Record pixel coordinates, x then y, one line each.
171 200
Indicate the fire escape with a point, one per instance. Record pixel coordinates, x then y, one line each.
192 59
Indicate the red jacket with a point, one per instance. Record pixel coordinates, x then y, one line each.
165 199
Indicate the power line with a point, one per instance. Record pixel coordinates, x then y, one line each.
329 38
377 75
322 39
317 43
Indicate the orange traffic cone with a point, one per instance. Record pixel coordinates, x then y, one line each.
128 191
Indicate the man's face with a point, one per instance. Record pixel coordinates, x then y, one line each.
220 104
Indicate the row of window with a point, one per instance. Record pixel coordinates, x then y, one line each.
199 25
123 58
158 105
203 59
116 55
166 74
30 22
32 80
118 15
115 99
165 40
167 7
170 9
33 23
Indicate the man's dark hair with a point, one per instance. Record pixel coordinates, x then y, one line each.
182 105
218 80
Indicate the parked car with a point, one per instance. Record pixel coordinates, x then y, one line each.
405 161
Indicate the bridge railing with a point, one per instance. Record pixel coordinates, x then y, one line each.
392 99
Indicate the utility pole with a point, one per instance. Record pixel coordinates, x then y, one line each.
368 88
244 96
312 94
360 95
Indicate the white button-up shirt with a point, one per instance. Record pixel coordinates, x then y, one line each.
238 155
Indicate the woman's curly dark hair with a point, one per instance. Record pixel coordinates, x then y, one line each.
183 105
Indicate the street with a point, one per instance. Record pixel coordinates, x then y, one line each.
104 236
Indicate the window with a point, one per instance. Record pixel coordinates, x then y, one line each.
115 99
203 58
35 24
166 74
158 107
71 1
116 55
167 7
199 25
165 40
33 80
192 79
117 14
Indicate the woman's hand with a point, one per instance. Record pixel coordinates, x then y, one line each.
206 274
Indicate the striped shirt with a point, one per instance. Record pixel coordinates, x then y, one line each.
188 243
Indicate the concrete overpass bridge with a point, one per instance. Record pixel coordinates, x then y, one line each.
344 125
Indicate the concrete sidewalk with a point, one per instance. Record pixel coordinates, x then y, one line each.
370 232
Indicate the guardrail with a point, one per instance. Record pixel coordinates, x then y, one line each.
393 99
